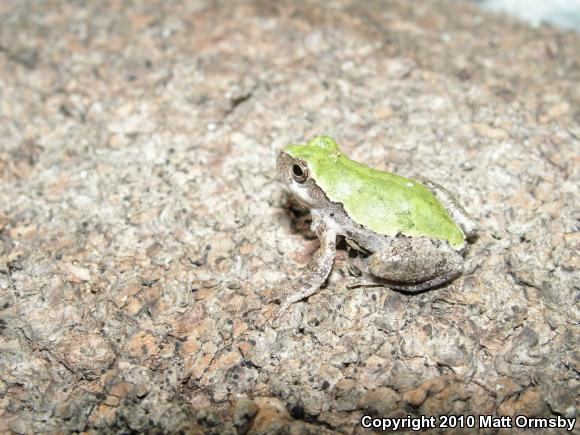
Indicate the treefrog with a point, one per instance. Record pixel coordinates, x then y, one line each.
408 234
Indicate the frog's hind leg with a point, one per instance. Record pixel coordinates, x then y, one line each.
415 264
453 207
426 285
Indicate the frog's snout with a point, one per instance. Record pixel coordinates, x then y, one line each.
282 164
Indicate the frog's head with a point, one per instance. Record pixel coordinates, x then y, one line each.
299 166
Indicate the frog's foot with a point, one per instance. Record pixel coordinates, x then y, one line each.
357 267
297 291
452 205
412 264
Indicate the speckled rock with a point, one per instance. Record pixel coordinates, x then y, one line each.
143 230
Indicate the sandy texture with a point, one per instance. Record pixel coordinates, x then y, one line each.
142 225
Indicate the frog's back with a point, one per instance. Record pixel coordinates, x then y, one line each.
387 203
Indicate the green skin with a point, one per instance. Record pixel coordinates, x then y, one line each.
412 233
386 203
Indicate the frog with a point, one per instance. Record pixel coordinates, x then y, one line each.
408 234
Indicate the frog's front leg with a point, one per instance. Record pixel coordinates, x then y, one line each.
318 268
415 264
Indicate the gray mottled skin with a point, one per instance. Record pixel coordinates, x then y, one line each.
403 263
454 208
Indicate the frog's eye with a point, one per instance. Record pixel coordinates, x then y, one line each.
299 172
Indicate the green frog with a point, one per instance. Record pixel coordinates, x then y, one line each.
408 234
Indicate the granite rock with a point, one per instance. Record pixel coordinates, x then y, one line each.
142 226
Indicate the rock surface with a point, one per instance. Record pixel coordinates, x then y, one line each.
142 225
